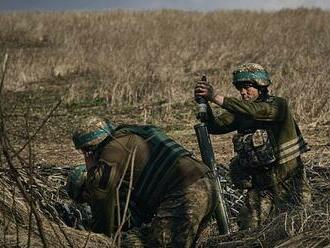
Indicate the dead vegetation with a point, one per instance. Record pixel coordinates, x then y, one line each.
140 67
129 58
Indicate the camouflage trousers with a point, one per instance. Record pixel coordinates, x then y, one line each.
178 219
260 205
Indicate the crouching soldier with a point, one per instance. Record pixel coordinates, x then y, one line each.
268 144
138 179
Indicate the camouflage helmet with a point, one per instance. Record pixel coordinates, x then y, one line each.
92 132
75 181
251 72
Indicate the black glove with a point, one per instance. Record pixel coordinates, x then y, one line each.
205 90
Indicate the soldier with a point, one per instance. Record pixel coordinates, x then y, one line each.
268 145
139 180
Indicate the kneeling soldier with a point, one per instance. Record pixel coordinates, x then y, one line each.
268 145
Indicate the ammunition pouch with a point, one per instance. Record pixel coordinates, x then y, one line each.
255 149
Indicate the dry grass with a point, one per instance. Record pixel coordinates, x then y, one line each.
127 57
140 67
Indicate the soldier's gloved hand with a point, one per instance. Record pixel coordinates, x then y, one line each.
204 89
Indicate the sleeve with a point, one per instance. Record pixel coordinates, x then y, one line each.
224 123
96 187
101 197
260 111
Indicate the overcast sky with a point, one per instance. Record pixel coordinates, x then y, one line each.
202 5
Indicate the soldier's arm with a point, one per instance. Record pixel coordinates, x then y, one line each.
103 178
97 185
224 123
102 198
260 111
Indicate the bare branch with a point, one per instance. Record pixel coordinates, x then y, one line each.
119 186
128 197
4 69
38 129
11 165
25 194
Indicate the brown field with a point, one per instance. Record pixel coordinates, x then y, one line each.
140 67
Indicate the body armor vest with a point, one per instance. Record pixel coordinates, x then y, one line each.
255 148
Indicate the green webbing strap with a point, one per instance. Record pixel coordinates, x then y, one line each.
161 160
246 76
159 175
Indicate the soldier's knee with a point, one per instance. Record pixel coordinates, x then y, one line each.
257 210
169 232
246 219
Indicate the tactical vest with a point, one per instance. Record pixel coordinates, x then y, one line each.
293 148
255 148
164 153
259 147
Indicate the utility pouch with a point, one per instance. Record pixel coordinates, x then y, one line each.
255 149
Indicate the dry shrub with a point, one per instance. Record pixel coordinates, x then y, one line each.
14 225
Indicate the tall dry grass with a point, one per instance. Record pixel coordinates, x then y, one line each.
129 57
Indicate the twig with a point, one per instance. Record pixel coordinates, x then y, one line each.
25 195
4 69
7 156
30 180
6 147
38 129
117 234
13 210
119 186
30 227
121 223
33 181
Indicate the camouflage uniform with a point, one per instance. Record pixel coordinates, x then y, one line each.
272 173
168 201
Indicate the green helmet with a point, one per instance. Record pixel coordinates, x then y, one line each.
75 181
92 132
251 72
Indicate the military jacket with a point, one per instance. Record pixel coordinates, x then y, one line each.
124 164
273 115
